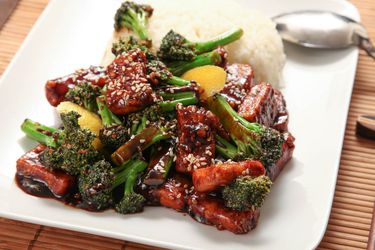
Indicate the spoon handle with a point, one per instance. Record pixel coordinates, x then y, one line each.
367 46
365 127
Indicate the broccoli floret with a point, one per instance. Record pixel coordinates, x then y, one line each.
175 47
159 114
84 94
160 70
150 116
76 147
132 202
272 141
252 140
130 43
51 159
113 134
157 71
95 185
134 17
69 149
126 44
97 182
247 192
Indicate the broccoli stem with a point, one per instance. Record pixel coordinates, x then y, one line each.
142 125
171 105
220 40
134 17
132 202
186 98
108 118
134 128
227 149
177 81
210 58
137 168
139 24
252 140
122 172
139 125
90 105
120 168
41 133
226 106
178 95
245 135
159 137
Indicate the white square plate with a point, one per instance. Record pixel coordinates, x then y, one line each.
73 34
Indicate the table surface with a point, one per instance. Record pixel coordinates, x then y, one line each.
350 220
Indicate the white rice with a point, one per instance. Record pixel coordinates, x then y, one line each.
197 20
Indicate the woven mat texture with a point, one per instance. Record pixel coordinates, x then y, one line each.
350 219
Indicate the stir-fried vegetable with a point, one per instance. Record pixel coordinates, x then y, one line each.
156 128
175 47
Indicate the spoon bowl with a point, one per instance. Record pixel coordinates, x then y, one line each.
322 29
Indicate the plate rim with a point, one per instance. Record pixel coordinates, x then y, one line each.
143 240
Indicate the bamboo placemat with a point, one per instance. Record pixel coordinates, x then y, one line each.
351 214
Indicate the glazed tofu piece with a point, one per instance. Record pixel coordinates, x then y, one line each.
240 79
30 166
222 174
282 117
212 211
260 105
173 193
56 89
128 91
196 139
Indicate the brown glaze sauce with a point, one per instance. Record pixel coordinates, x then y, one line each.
39 189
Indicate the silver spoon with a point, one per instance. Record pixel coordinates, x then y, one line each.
323 29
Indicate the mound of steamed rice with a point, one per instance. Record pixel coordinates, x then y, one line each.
198 20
